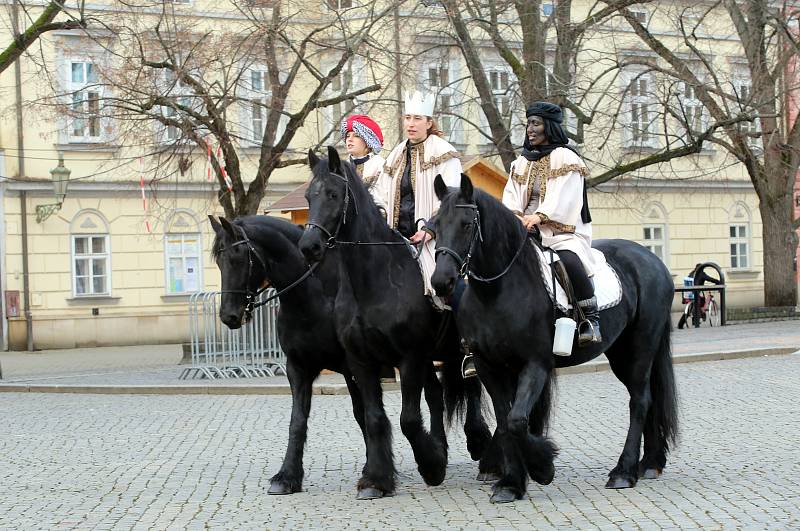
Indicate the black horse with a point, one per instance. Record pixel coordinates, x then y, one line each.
255 251
383 317
507 318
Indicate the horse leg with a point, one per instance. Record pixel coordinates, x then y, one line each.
635 376
358 404
289 478
513 479
479 438
429 453
435 401
378 476
538 452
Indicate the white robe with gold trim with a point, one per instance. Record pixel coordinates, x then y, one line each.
560 201
369 173
434 156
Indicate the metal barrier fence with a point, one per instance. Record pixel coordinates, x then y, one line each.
219 352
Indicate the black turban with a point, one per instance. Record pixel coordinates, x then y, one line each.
548 111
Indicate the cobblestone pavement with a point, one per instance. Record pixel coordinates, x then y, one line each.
137 462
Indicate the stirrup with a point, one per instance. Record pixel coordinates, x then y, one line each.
468 369
594 335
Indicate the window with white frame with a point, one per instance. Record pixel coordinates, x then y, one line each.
91 258
340 85
502 83
182 254
654 231
639 13
91 255
693 112
339 4
258 104
439 79
743 89
739 236
639 109
85 96
172 87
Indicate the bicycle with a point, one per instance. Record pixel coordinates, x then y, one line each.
709 311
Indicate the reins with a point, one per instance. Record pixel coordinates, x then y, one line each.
250 294
477 236
332 239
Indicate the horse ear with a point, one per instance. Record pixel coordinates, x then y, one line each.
215 224
439 187
313 159
466 187
334 163
226 225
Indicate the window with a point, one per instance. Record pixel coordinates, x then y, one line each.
547 9
693 110
352 77
743 89
340 85
340 4
90 274
739 242
639 110
654 231
173 88
739 236
443 106
182 254
85 95
654 240
438 76
173 132
259 102
640 14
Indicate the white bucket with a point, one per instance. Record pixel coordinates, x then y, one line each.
565 333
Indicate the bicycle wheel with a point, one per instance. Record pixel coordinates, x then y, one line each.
712 314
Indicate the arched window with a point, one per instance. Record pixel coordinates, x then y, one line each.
182 253
654 230
91 254
739 235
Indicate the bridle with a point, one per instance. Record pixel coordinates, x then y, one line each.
476 236
250 294
332 238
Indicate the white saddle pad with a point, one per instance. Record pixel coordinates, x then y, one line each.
607 287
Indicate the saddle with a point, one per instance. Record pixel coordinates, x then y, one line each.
607 286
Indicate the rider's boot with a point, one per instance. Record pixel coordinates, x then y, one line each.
589 329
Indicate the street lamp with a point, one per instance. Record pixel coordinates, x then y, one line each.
60 176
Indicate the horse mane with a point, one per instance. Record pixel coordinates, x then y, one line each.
499 226
259 228
362 204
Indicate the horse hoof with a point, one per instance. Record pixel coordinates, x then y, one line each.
620 483
488 477
503 495
278 488
369 493
650 473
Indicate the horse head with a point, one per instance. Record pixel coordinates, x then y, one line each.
457 225
328 196
242 269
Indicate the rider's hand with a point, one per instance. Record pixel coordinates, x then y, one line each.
420 236
530 221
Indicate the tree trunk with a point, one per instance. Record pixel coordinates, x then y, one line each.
780 245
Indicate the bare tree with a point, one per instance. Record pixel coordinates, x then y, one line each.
244 90
756 127
36 27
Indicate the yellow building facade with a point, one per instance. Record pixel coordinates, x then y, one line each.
105 270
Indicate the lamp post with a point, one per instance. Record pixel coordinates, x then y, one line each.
60 175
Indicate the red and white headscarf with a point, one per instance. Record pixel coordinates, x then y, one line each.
366 128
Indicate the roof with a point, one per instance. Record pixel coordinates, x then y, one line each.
294 200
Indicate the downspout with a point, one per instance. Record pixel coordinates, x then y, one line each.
23 196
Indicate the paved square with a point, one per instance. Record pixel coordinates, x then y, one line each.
136 462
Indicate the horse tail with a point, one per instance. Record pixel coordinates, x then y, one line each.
455 390
540 415
663 417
